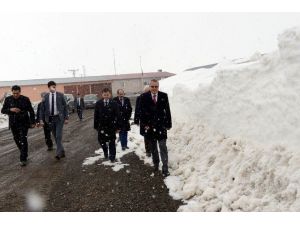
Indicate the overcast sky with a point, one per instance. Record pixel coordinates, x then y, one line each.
47 45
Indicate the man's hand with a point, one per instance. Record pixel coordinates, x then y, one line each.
66 121
32 125
16 110
147 127
41 123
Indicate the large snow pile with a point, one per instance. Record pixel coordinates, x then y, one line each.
3 119
235 143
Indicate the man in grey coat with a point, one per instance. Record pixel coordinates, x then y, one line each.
54 111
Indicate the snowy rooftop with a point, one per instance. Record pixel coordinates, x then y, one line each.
87 79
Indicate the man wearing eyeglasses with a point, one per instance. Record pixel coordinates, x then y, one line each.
155 120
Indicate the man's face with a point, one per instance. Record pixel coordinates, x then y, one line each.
121 93
106 95
52 88
154 86
16 94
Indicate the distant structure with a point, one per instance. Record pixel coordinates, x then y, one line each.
74 72
202 67
132 84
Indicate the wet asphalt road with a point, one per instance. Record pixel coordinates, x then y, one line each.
67 186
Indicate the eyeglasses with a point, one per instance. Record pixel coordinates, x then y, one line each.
154 86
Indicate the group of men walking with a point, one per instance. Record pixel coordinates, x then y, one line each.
111 116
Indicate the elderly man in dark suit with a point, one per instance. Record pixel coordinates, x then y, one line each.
107 123
125 114
21 118
79 105
54 110
155 120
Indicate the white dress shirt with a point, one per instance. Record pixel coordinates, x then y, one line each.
78 101
50 103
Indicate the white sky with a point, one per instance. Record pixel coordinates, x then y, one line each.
44 45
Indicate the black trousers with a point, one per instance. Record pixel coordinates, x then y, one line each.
147 148
79 112
108 146
47 133
20 137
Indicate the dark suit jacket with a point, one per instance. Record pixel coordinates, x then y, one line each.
137 111
81 103
107 120
125 112
156 116
25 118
60 104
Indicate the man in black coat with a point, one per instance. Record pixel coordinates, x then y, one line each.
125 114
47 128
155 120
107 123
79 105
137 115
21 118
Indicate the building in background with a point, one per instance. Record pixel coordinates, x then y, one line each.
131 83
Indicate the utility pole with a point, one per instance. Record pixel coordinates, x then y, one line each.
142 73
114 61
73 71
83 71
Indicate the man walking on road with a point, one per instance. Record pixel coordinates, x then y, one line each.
155 120
79 105
125 110
54 110
21 118
107 123
47 128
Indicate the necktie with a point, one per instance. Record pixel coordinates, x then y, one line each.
52 105
106 103
154 99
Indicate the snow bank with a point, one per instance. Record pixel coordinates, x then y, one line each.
235 141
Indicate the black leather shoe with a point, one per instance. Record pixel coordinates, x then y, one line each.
166 173
23 163
57 157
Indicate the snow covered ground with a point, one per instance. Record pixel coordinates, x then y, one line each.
234 145
3 119
116 166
